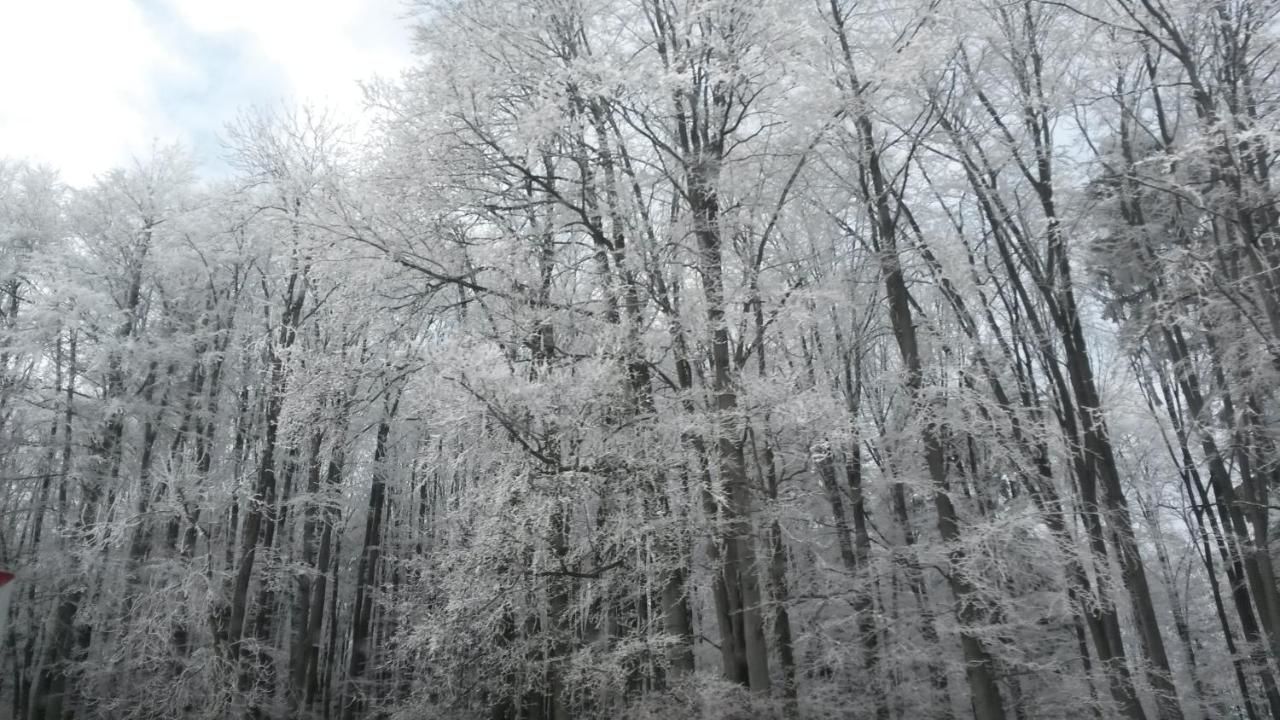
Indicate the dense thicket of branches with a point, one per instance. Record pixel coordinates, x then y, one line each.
671 358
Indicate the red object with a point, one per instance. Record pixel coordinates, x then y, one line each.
5 577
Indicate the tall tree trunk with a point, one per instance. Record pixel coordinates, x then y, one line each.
980 669
259 521
367 573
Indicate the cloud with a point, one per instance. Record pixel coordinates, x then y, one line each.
322 48
90 83
75 85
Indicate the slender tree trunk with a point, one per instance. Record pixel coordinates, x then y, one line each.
355 694
259 521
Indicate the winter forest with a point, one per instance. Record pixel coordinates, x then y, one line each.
663 359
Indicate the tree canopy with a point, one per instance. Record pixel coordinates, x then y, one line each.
670 358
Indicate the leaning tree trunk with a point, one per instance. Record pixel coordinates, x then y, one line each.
980 670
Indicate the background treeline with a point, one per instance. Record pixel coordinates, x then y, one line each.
666 359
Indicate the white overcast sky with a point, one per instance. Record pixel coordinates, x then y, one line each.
87 84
